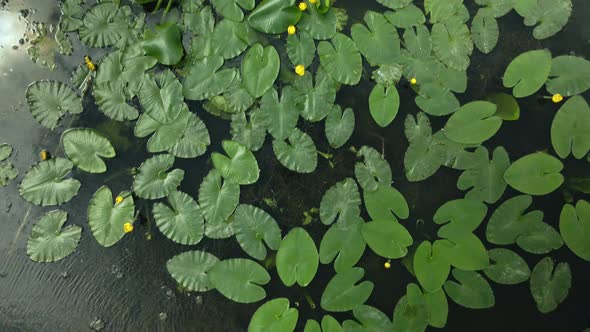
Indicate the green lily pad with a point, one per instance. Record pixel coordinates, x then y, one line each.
535 174
386 203
319 26
441 10
507 107
387 238
191 270
330 324
410 313
312 326
341 59
459 217
252 226
528 72
339 126
111 101
437 100
508 221
71 14
281 116
182 221
473 123
498 8
230 39
164 44
343 244
569 76
418 42
452 44
297 259
379 41
239 279
384 104
465 252
250 133
550 15
204 78
103 25
260 69
194 140
406 17
539 238
507 268
49 241
342 292
154 180
49 101
374 171
438 308
274 16
85 147
485 31
231 10
341 203
315 100
485 177
274 315
5 151
161 98
471 291
239 166
430 267
570 130
164 136
550 284
218 201
106 218
301 49
369 319
46 183
7 171
299 154
574 225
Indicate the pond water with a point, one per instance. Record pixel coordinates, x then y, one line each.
127 286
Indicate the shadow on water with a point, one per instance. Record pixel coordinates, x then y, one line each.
127 285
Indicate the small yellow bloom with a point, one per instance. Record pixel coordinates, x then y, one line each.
413 81
119 199
89 63
387 265
300 70
44 155
128 227
313 1
557 98
302 6
291 30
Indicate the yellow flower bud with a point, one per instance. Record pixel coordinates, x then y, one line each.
44 155
128 227
313 1
413 81
300 70
557 98
291 30
302 6
119 199
387 265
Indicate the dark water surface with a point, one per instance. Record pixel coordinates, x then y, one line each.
127 286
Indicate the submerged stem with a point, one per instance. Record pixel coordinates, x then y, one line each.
158 5
309 299
325 155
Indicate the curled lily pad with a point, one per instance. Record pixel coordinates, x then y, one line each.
191 270
274 315
569 76
85 147
342 292
154 180
570 130
341 59
299 154
339 126
260 69
107 218
274 16
472 290
430 267
103 25
239 279
161 98
111 101
528 72
281 116
239 166
49 241
252 226
384 104
218 201
507 268
574 225
343 244
301 49
485 177
182 221
535 174
379 41
204 78
164 44
297 259
387 238
341 203
473 123
46 183
49 101
550 15
550 284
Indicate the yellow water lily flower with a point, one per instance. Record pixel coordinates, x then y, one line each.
119 199
89 63
413 81
302 6
557 98
387 265
300 70
291 30
44 155
128 227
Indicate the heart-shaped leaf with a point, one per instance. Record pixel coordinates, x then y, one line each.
297 259
342 292
49 242
535 174
574 225
465 252
260 69
473 123
387 238
374 171
569 76
384 104
339 126
343 244
299 154
341 59
472 290
204 78
191 270
239 166
274 16
182 221
46 183
341 203
274 315
379 41
550 284
252 226
107 218
507 268
508 221
85 146
528 72
164 44
218 201
570 130
430 267
459 217
49 101
485 177
154 180
239 279
386 203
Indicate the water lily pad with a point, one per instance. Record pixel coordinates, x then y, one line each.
49 101
161 97
410 313
299 154
111 101
164 44
369 319
231 10
498 8
341 59
316 100
343 244
204 78
230 38
452 44
438 308
574 225
384 104
260 69
569 76
297 259
164 136
406 17
485 31
507 107
71 14
471 291
103 25
339 126
535 174
319 26
218 201
330 324
459 217
387 238
550 15
550 284
250 133
274 16
570 130
430 267
239 279
182 221
485 177
191 270
442 10
473 123
465 252
85 147
539 238
155 179
274 315
312 326
279 116
386 203
507 267
253 226
239 166
374 171
106 217
379 41
343 293
509 221
49 241
5 151
437 100
7 171
46 183
301 49
528 72
194 140
341 203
